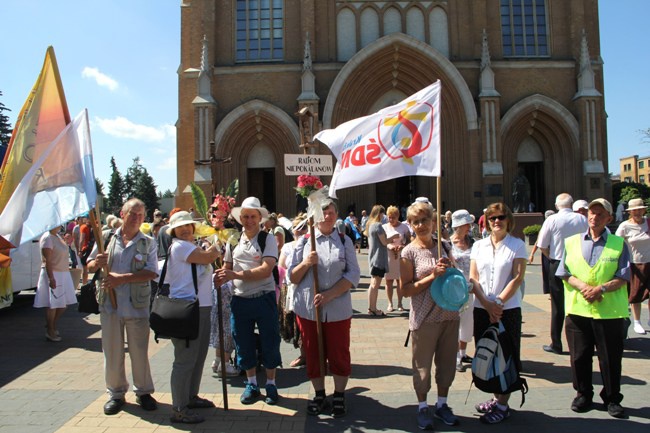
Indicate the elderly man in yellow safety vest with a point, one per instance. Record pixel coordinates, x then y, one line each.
595 270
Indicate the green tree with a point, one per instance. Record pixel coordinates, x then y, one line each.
116 190
139 183
168 194
626 191
5 129
132 175
145 190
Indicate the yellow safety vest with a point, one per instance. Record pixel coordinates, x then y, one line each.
614 304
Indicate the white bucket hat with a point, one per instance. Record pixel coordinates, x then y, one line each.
180 219
460 218
636 203
250 203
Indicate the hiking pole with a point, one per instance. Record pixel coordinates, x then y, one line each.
99 240
319 324
222 352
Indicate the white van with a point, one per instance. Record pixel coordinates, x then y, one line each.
25 266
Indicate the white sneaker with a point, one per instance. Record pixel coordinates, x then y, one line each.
231 370
638 328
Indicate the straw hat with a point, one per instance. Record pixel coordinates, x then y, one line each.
180 219
250 203
636 203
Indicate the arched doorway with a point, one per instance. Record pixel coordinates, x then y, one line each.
383 73
531 161
260 175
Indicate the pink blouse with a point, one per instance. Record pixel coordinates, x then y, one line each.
423 308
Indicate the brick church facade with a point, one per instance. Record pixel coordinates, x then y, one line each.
522 92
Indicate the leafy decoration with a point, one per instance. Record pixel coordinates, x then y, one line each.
200 202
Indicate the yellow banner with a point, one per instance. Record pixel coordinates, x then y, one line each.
41 119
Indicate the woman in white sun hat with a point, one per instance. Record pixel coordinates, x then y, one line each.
250 268
461 222
636 233
189 356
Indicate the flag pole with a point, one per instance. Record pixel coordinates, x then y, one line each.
99 240
439 208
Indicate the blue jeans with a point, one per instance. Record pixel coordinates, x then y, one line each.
263 312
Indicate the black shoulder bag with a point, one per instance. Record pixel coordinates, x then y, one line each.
87 297
173 317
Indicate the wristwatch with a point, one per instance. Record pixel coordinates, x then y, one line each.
603 289
499 302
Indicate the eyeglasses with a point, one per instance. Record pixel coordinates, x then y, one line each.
497 217
420 221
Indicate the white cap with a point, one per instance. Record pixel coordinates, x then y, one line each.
580 204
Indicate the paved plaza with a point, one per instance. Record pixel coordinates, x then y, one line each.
59 387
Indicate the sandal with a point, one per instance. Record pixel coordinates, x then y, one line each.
197 402
316 406
390 309
338 406
298 362
376 313
185 417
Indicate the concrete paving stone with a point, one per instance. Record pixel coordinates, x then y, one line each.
26 429
379 397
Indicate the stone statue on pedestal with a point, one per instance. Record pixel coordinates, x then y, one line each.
520 193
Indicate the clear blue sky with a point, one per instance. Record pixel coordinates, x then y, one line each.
119 58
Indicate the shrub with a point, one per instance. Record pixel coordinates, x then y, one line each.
532 230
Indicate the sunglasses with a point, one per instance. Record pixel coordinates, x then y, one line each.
497 217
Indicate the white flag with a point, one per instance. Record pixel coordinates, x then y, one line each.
401 140
58 187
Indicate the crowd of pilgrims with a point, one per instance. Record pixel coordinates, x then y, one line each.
260 309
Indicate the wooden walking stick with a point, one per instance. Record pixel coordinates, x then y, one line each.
99 240
319 324
222 351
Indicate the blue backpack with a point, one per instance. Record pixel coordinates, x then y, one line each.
494 367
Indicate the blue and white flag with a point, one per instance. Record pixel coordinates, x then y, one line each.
58 187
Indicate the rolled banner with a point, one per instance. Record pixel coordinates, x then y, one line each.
315 201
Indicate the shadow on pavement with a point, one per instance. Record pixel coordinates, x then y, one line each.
23 336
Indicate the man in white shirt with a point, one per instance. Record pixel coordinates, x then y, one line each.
555 230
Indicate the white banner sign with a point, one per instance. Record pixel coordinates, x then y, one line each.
316 165
401 140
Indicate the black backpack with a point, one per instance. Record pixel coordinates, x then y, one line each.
261 241
288 236
494 367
